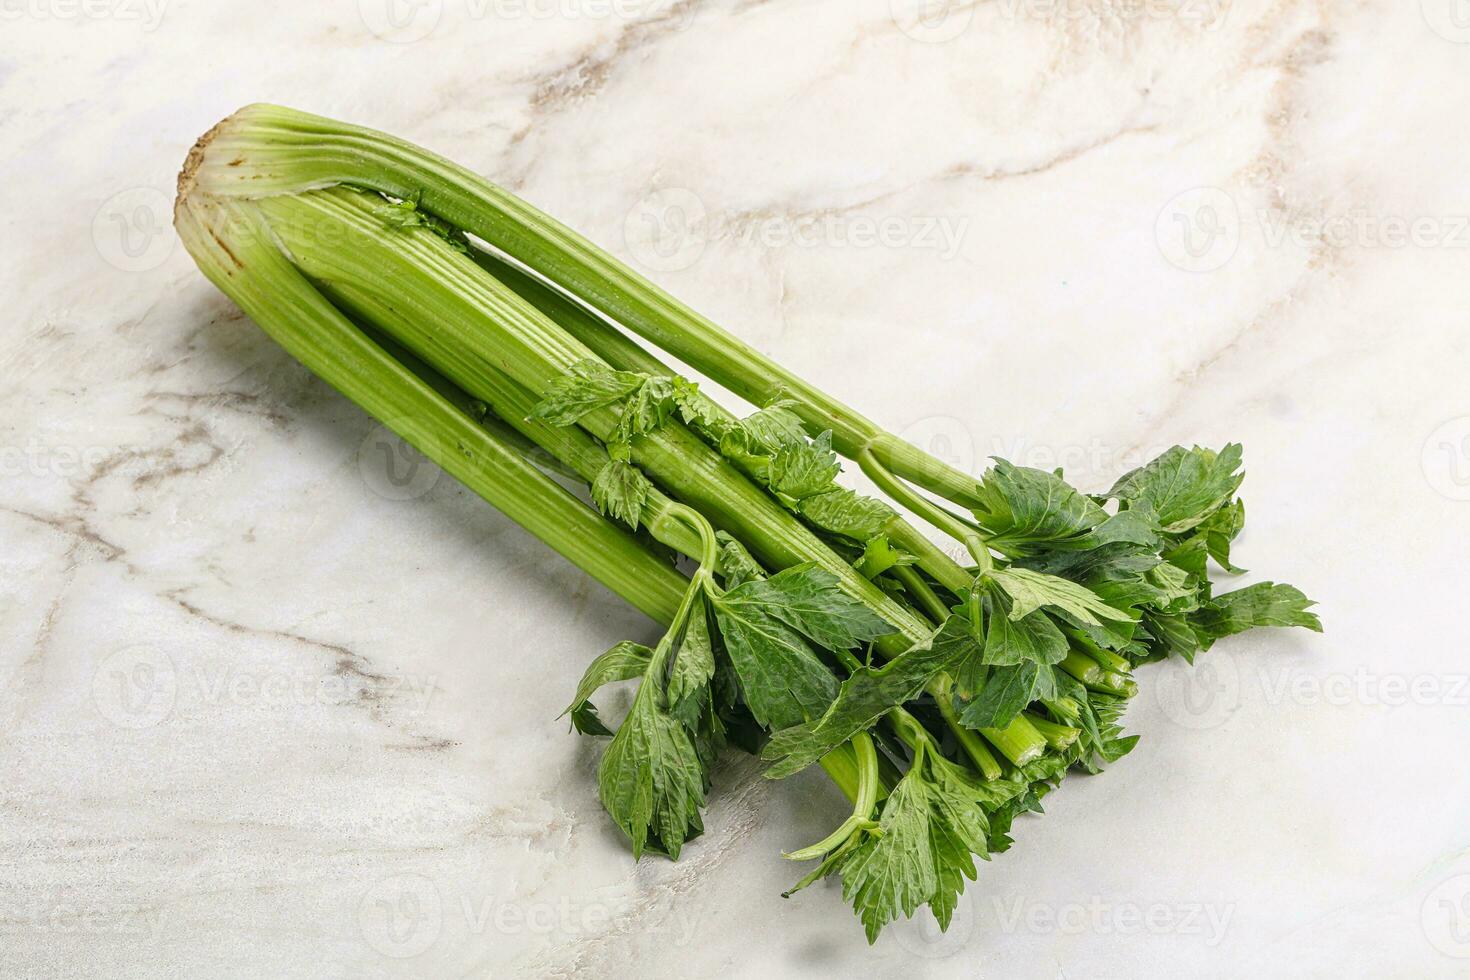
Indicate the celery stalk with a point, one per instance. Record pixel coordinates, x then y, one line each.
492 338
266 150
447 310
235 251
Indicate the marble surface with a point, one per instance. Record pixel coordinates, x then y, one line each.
277 704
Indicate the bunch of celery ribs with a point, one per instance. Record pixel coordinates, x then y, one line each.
811 624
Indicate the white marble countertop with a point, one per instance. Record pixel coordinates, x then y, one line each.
270 713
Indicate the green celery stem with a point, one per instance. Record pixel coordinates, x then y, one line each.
1118 684
924 470
1105 658
923 507
1019 741
1082 667
841 765
473 316
276 150
945 570
236 253
603 338
974 748
233 247
915 585
1096 677
626 354
567 445
264 152
1110 660
1057 736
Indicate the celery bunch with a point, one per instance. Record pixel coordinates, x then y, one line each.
814 625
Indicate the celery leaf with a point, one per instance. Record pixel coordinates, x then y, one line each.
1183 486
588 386
621 491
651 779
1263 604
